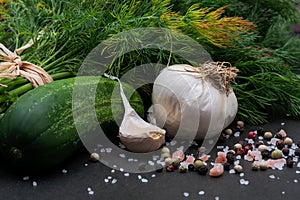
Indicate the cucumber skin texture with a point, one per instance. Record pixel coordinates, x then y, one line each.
38 133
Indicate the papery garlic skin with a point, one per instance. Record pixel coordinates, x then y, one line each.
181 92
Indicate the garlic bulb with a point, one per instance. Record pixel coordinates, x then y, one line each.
201 97
136 134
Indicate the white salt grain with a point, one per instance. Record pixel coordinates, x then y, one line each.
113 171
91 192
114 181
236 134
64 171
25 178
272 176
242 174
89 189
109 177
150 162
201 192
298 164
297 172
34 183
295 181
217 198
283 192
126 174
106 180
144 180
139 177
260 137
86 164
238 157
244 182
232 171
122 155
121 169
186 194
153 175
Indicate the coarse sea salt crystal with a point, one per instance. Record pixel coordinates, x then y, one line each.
109 177
113 171
220 147
25 178
238 157
150 162
298 164
242 174
121 169
106 180
85 164
186 194
126 174
201 192
139 177
272 176
144 180
114 181
244 182
237 162
260 137
64 171
217 198
34 183
283 192
295 181
236 134
89 189
297 172
91 192
295 159
122 155
232 171
153 175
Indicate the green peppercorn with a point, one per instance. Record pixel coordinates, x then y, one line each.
198 163
276 154
176 163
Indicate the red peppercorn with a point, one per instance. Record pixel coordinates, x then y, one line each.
170 168
240 152
251 135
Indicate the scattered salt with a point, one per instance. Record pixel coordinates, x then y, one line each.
282 124
130 159
113 171
297 172
232 171
244 182
64 171
109 177
106 180
238 157
237 162
114 181
126 174
201 192
295 181
139 177
108 150
86 164
150 162
186 194
272 176
34 183
217 198
220 147
298 164
121 169
173 143
236 134
91 192
89 189
122 155
295 159
283 192
260 137
144 180
25 178
242 174
153 175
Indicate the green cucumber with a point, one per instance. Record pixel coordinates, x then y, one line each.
38 131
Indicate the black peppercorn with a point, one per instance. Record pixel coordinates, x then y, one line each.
203 170
279 144
260 131
298 143
257 144
297 152
227 166
265 154
222 138
289 162
230 158
286 151
191 167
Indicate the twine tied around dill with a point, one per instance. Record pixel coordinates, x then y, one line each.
12 66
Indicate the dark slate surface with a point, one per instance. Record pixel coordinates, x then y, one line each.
165 185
